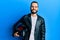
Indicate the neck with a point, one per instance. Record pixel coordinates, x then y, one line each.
34 15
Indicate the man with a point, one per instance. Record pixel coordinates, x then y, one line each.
34 25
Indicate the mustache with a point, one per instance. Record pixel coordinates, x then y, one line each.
34 12
33 9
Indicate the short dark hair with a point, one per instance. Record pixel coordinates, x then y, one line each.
34 2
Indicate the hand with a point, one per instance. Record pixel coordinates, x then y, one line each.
16 34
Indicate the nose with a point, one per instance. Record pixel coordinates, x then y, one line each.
33 8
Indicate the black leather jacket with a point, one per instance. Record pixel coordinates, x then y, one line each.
39 33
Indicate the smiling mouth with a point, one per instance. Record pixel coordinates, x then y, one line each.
34 10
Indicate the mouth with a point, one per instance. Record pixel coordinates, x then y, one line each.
33 10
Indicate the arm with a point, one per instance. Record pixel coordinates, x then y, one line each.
43 29
15 31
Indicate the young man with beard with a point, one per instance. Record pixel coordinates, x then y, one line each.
34 25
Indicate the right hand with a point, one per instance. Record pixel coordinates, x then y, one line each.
16 34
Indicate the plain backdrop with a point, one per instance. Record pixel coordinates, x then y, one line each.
12 10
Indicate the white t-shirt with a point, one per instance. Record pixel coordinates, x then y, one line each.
33 27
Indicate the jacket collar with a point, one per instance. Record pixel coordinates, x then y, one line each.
29 15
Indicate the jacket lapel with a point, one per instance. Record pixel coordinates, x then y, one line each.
30 21
36 26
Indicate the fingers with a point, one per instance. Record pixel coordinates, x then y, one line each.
16 34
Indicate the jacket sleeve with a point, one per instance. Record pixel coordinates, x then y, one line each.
43 29
21 21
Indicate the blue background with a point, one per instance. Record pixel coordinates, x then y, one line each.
12 10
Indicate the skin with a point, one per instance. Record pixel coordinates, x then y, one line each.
34 9
16 34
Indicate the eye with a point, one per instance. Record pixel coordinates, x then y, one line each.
36 6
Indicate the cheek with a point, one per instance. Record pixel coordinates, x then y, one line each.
36 8
31 8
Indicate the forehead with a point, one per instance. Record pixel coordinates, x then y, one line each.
34 4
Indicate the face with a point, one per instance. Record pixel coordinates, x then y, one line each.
34 8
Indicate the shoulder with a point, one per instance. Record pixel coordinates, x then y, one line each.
25 16
41 18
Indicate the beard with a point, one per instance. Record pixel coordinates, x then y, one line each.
33 12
